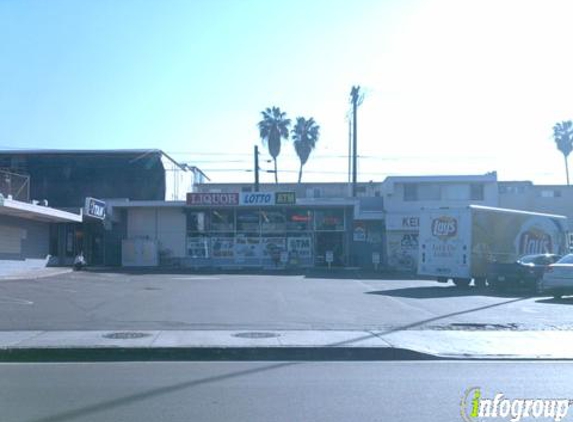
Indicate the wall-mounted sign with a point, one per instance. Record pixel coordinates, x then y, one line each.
285 198
407 222
359 234
208 199
257 198
376 258
94 208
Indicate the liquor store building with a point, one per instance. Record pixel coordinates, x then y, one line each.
248 229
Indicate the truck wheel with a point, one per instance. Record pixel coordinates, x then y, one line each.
461 282
480 283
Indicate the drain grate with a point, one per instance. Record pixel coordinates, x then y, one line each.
256 334
126 335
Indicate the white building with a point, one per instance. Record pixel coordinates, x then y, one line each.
405 196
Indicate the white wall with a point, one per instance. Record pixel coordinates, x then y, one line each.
178 181
452 194
166 225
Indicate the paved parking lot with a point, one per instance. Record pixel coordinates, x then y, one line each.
110 301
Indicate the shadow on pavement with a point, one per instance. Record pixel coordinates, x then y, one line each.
553 301
433 292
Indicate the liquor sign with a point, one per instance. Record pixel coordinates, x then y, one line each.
285 198
257 198
95 208
202 199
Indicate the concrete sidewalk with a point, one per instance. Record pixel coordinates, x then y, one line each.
284 345
29 274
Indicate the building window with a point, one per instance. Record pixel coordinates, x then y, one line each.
550 193
429 192
197 221
248 221
246 189
410 192
222 220
299 219
273 220
477 192
456 192
329 220
198 246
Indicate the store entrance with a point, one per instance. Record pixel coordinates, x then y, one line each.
329 241
93 247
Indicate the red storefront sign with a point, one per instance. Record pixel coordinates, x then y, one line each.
202 199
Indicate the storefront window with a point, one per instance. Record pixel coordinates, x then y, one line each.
222 220
248 221
248 249
299 219
329 220
299 249
198 246
223 247
272 247
197 221
273 220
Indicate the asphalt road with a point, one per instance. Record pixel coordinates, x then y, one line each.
89 301
259 391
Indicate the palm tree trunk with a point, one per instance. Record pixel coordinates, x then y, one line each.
566 169
300 173
276 172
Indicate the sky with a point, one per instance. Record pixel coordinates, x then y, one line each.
449 86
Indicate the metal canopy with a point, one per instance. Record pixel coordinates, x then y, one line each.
28 211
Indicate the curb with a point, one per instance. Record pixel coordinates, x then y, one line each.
138 354
34 276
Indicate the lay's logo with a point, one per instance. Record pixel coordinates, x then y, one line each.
444 227
535 241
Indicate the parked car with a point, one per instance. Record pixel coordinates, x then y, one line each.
558 278
524 272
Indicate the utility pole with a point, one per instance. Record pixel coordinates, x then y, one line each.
256 168
354 100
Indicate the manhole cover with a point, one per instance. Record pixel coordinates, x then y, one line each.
256 335
125 335
152 288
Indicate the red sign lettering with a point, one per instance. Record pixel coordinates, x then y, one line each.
216 199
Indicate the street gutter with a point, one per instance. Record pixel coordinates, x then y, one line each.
294 345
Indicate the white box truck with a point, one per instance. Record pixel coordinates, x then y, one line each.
458 244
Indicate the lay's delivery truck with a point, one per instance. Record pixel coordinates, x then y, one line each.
458 244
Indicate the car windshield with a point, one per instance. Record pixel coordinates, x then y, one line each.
567 259
532 259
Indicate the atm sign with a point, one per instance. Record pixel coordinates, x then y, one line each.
285 198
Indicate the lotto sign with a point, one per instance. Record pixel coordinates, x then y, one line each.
257 198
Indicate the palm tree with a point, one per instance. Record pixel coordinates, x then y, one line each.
563 135
305 135
273 129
